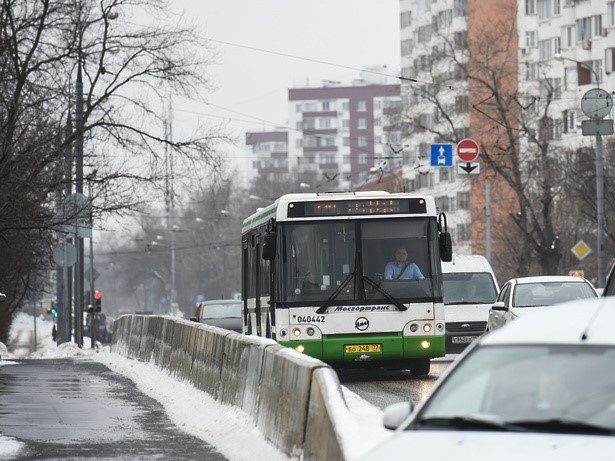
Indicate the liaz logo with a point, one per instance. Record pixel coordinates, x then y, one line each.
361 324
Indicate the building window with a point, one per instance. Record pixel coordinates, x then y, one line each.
584 29
361 106
405 19
362 141
463 200
461 40
531 71
309 123
361 123
460 8
463 232
609 60
443 203
568 119
345 106
568 37
326 105
362 159
462 104
530 7
610 13
531 39
597 20
326 122
545 9
547 48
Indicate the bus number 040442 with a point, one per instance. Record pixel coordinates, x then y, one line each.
311 319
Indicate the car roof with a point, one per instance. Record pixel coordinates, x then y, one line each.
467 263
583 321
221 301
550 278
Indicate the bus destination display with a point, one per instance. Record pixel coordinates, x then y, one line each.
359 207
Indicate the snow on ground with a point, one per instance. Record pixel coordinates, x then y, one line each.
179 398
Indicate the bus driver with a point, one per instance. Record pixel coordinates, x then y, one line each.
401 268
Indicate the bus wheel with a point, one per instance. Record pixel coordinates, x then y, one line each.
419 367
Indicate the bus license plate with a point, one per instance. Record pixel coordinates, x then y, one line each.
462 339
358 348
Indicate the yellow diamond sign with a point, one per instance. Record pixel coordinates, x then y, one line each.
581 250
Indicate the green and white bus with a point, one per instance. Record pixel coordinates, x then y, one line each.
313 277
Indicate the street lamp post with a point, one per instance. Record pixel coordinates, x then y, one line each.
592 107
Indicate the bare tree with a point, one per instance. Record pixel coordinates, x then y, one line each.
130 57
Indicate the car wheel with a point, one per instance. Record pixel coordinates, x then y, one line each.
420 367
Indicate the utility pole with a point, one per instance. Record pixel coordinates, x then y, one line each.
170 200
79 279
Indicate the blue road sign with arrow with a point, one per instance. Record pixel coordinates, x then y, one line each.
441 155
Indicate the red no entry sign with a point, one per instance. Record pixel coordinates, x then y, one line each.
467 150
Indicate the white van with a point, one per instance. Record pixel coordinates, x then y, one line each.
470 289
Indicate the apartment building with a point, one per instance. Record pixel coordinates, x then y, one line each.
563 48
339 132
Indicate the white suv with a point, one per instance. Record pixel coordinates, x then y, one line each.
469 290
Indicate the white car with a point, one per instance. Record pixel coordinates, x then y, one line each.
523 295
541 388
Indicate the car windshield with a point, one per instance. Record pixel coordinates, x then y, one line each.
221 311
530 387
468 288
548 293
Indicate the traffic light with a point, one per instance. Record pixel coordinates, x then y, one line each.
97 301
53 309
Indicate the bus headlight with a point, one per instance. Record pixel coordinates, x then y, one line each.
300 348
427 327
414 327
425 344
310 331
296 332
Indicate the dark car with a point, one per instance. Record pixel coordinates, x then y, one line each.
609 287
222 313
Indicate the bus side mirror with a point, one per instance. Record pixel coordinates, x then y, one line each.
269 246
446 247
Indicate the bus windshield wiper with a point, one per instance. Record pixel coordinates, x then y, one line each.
384 293
338 290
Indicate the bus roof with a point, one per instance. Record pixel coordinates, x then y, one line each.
263 214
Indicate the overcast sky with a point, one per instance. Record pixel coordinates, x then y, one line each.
255 39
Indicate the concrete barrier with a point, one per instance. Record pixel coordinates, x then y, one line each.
295 400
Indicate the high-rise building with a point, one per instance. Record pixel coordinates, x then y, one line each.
338 132
549 54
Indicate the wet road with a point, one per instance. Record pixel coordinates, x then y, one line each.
77 409
382 387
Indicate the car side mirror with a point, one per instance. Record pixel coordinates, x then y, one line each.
394 415
194 319
499 306
2 297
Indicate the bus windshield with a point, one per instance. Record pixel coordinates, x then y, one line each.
359 262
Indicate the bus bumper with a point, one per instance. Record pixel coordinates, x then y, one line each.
368 348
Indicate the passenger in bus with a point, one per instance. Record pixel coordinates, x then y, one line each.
401 268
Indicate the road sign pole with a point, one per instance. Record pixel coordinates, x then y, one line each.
600 211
